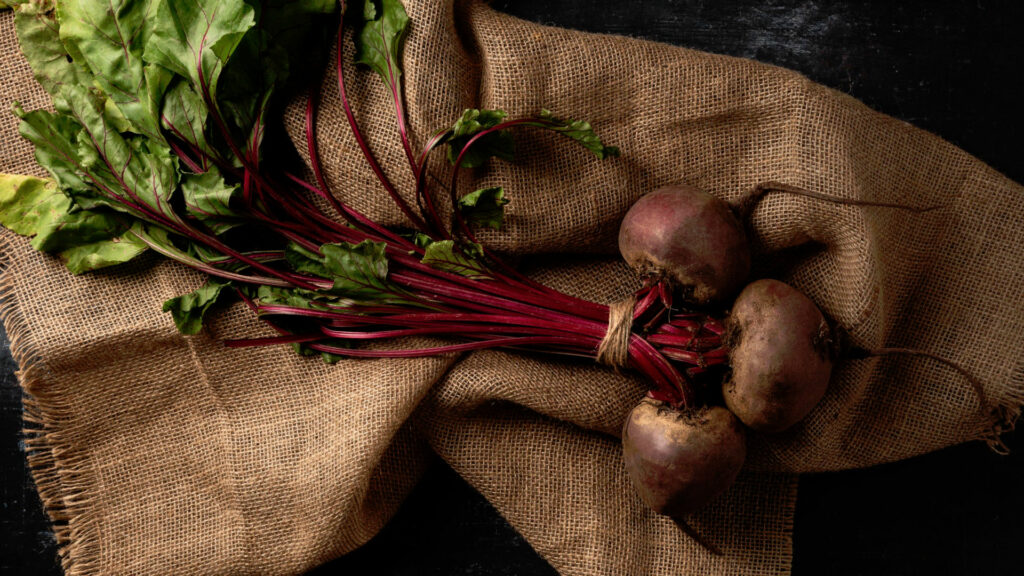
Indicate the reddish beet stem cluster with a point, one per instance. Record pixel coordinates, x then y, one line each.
497 308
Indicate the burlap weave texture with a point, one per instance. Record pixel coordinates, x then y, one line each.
156 453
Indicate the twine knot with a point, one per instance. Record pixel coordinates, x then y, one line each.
614 348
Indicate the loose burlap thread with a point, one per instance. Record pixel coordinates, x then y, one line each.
157 453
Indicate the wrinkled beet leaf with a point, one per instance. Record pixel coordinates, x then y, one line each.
159 142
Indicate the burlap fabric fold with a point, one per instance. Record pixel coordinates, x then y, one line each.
157 454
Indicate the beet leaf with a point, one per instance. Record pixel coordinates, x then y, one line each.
208 199
135 175
189 310
55 137
109 40
39 36
359 272
264 60
194 39
85 240
465 259
485 207
580 131
496 144
381 28
185 116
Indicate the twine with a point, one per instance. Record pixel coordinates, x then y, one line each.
614 348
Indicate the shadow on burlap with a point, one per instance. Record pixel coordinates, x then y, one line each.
157 453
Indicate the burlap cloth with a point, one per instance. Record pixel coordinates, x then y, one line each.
158 454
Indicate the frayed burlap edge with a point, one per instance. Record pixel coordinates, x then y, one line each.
1005 414
59 470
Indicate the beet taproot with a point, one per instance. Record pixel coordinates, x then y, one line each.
688 238
782 356
679 460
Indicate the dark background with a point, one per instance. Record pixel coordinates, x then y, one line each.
949 67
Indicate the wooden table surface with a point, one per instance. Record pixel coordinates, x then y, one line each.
950 67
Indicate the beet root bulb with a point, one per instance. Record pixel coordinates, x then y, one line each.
781 356
678 461
689 238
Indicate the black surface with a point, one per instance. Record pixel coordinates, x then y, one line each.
27 545
949 67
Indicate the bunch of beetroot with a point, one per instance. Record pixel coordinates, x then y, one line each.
780 348
681 454
166 151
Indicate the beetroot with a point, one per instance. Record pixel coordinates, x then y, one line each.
678 460
688 238
782 355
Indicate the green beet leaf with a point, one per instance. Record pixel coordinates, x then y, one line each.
208 198
255 68
84 240
485 207
187 39
55 137
182 250
160 240
189 310
185 115
136 169
101 254
379 37
109 39
283 296
303 349
263 60
419 239
580 131
359 271
116 118
464 259
39 36
498 144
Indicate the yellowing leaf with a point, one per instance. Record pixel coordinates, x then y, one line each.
84 240
26 201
